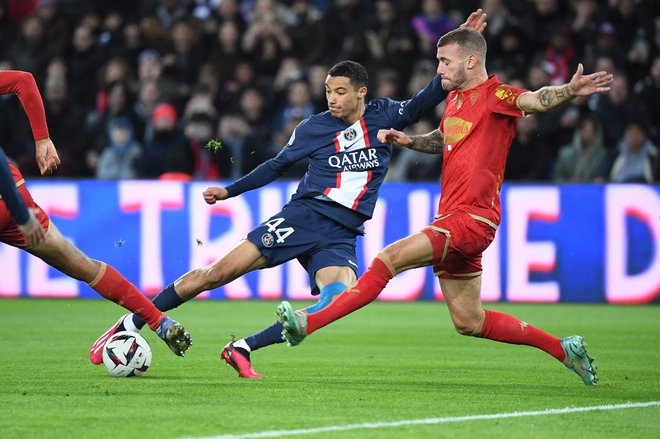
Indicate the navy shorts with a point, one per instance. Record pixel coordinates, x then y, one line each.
299 232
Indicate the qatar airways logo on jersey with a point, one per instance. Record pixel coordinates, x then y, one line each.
359 160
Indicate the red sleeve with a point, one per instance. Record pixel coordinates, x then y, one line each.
22 84
503 99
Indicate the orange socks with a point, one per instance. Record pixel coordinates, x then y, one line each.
508 329
110 284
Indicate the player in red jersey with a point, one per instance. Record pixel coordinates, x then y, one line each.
474 137
33 231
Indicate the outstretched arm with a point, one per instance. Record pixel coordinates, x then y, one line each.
430 143
550 97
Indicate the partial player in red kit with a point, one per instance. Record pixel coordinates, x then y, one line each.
25 225
474 137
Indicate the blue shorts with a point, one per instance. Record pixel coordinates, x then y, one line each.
299 232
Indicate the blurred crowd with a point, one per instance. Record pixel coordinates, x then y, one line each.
135 89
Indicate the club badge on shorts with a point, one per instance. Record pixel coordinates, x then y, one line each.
267 240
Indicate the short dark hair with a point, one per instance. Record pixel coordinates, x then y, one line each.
469 40
351 70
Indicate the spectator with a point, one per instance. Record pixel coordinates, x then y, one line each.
265 41
316 76
66 118
31 51
530 154
149 65
546 17
304 23
637 161
615 107
230 11
119 160
298 104
513 53
198 130
56 28
647 91
226 51
390 42
233 131
84 61
149 94
115 101
431 24
166 142
345 38
558 56
182 61
584 160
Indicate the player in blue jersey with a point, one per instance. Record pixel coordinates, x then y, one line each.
320 224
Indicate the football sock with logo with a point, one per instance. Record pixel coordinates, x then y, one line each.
110 284
362 292
165 300
508 329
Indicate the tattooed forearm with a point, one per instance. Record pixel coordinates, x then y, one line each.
551 97
430 143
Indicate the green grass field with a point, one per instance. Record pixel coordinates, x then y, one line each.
388 362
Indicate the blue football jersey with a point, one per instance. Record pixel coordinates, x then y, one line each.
347 163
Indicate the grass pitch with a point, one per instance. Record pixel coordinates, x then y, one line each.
388 362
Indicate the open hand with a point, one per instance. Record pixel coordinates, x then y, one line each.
585 85
476 21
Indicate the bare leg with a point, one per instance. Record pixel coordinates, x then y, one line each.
60 253
463 299
242 259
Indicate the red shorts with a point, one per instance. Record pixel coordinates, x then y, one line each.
458 240
9 233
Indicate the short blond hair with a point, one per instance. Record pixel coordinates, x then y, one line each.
469 40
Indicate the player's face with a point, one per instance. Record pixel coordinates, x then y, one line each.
344 101
451 67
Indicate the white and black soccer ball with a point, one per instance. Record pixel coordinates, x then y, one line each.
127 354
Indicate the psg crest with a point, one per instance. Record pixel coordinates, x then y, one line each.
267 240
350 134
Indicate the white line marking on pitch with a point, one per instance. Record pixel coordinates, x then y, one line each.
428 421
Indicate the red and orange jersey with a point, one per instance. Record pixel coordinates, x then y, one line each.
478 127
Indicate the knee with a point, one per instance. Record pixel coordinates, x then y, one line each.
391 257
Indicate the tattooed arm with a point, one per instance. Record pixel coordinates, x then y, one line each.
550 97
430 143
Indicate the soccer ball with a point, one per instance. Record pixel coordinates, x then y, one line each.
127 354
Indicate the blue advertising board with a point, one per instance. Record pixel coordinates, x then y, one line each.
577 243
